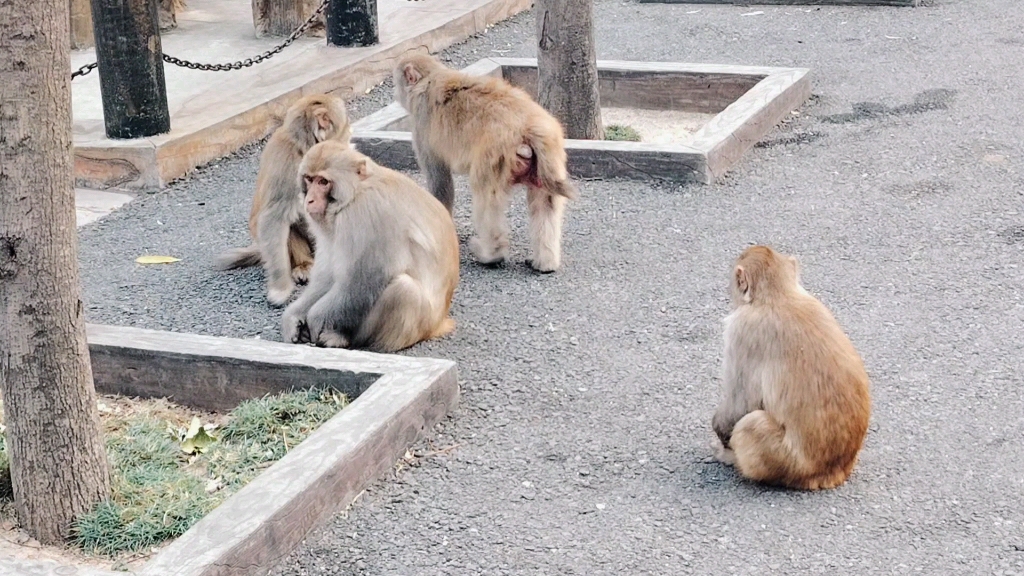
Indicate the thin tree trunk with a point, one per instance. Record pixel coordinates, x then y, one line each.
282 17
567 66
58 464
81 24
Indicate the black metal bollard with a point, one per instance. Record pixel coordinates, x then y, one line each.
131 68
352 23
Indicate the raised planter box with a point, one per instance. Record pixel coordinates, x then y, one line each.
746 103
791 2
397 399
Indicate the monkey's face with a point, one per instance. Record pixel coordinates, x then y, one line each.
331 175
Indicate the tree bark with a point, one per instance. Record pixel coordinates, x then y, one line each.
81 24
59 466
282 17
567 66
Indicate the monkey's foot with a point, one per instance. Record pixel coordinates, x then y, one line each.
300 274
331 339
725 456
278 296
545 264
294 330
490 254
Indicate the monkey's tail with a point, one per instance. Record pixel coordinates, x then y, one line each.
238 258
763 454
551 160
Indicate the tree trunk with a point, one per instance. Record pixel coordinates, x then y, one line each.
567 66
58 463
81 24
282 17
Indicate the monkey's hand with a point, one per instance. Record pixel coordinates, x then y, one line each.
723 428
331 339
294 330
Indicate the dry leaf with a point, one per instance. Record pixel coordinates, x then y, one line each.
157 259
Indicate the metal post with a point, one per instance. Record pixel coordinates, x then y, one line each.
131 68
352 23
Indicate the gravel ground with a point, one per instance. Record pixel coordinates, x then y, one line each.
583 434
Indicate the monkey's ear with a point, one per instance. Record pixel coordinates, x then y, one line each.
412 75
362 169
742 283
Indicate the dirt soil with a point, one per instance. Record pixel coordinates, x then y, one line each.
657 126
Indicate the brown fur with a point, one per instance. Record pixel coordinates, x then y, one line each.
486 128
388 259
796 398
281 239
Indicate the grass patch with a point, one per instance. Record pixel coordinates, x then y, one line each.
162 484
620 132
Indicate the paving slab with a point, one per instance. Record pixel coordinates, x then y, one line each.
91 205
215 113
581 445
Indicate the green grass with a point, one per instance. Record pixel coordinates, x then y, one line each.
159 491
619 132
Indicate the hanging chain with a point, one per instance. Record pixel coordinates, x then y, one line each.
234 65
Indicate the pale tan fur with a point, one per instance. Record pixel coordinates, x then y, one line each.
388 257
796 398
484 127
276 223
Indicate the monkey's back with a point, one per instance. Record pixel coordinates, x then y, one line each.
483 113
823 392
427 231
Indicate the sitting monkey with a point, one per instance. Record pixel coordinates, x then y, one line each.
387 259
795 395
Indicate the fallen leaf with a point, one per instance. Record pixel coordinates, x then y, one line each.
196 439
157 259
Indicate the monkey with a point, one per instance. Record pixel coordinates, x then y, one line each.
795 396
494 132
281 239
387 261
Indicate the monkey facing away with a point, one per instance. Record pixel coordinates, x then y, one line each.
486 128
387 259
796 398
282 241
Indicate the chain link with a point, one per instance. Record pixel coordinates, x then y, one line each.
234 65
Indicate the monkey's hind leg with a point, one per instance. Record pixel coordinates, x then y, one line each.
490 203
301 255
546 214
763 454
400 317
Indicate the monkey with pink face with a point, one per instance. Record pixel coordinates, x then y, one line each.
387 261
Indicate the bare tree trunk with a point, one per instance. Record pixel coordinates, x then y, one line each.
567 66
59 466
81 24
282 17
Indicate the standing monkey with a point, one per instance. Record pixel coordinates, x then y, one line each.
387 257
282 241
500 137
796 398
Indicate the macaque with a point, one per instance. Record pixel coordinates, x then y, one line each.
387 257
282 241
486 128
796 398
